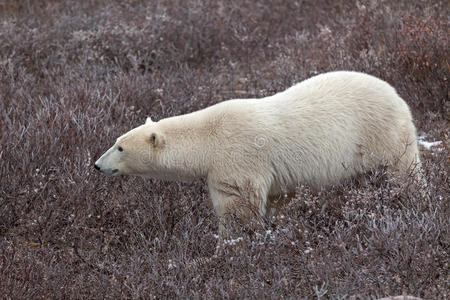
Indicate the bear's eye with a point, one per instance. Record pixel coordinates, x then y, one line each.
120 149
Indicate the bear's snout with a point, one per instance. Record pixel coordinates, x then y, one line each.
105 171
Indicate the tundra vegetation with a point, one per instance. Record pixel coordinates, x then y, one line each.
74 75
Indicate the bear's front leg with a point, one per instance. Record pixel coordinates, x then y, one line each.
245 201
221 201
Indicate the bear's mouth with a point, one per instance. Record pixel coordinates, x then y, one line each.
106 171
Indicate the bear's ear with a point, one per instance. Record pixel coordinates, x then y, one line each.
156 139
148 121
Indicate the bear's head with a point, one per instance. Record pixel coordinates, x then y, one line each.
135 152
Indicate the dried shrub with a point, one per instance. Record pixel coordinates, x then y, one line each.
74 75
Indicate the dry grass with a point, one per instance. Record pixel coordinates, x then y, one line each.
76 74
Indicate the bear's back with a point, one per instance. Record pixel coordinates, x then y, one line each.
341 89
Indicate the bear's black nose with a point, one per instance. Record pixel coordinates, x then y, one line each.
96 167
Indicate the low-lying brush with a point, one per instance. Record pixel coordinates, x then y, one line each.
74 75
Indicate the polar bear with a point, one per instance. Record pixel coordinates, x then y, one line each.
321 131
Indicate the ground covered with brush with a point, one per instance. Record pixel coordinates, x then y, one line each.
74 75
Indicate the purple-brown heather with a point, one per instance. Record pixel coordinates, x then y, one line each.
75 75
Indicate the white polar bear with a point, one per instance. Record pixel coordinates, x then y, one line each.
319 132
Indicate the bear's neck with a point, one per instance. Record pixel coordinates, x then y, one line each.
188 146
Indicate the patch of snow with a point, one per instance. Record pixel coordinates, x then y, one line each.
233 242
171 265
428 145
308 250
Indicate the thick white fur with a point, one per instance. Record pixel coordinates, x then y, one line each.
321 131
